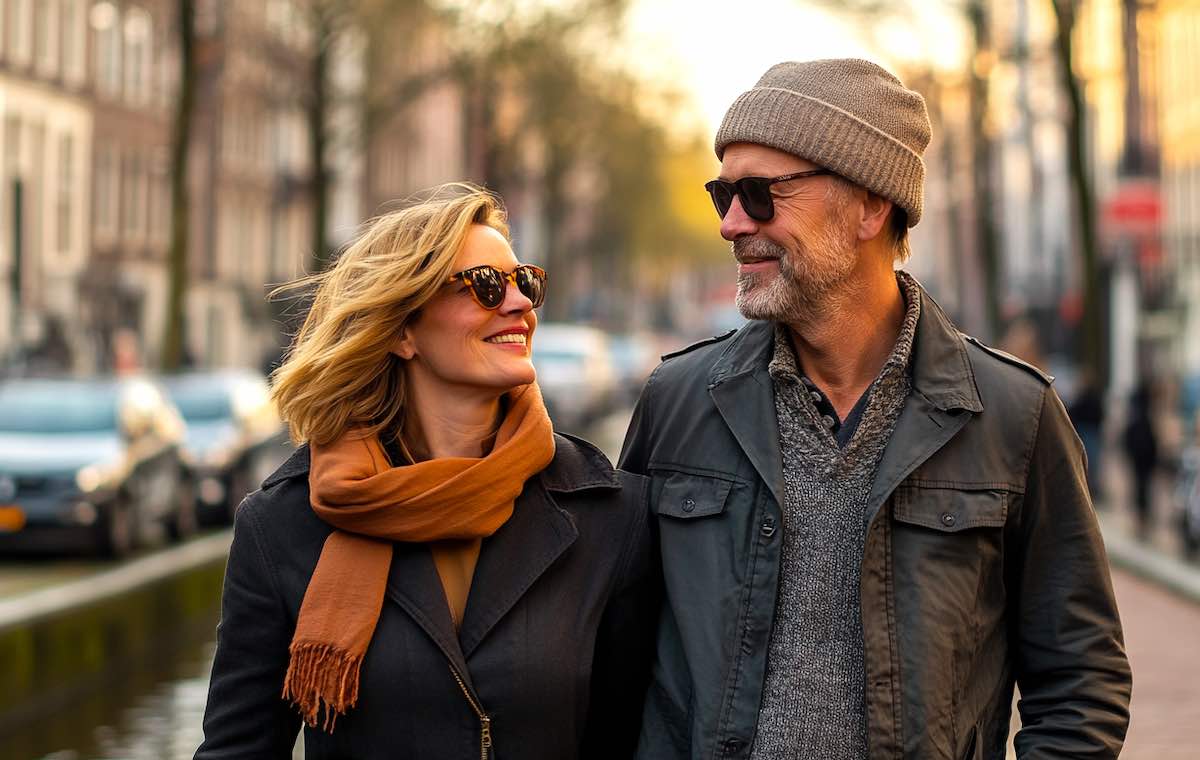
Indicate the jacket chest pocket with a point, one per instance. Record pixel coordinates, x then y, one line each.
685 496
947 550
950 510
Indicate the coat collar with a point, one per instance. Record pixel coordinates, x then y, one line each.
511 561
941 369
577 466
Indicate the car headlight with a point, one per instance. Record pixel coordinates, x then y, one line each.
89 478
93 477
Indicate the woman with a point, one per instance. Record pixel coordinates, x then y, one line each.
435 574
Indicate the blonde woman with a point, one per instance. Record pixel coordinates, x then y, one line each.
434 573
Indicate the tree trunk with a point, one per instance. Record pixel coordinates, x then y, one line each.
985 196
177 262
1081 187
317 112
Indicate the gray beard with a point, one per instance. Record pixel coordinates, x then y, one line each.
803 291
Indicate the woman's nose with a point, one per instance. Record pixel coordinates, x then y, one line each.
515 302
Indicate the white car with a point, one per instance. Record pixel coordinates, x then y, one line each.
575 372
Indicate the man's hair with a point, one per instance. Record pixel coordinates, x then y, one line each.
896 230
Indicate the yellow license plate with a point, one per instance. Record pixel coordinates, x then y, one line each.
12 518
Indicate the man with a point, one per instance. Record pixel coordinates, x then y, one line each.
871 525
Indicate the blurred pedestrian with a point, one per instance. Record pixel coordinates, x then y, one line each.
434 573
1140 439
871 525
1087 414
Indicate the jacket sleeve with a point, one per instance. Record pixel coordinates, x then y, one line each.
1072 671
635 452
245 716
625 643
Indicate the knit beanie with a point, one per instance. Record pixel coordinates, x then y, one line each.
847 115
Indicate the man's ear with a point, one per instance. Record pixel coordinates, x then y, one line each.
403 346
875 210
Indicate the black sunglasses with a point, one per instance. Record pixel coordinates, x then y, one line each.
755 193
489 284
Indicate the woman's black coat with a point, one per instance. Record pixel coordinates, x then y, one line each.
555 645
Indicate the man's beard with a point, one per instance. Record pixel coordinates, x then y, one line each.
802 290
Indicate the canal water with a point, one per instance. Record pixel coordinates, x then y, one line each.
152 713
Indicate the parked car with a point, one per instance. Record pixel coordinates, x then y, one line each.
634 357
1186 500
575 372
234 437
91 464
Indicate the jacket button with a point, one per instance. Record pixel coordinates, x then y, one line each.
689 505
948 519
768 529
734 745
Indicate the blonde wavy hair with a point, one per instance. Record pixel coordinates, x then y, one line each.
340 373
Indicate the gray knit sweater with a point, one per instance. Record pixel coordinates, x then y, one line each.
813 699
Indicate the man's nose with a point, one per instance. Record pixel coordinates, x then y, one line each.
737 223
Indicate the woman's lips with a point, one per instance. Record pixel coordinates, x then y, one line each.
514 339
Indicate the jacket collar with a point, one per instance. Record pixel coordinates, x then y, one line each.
511 561
941 369
577 466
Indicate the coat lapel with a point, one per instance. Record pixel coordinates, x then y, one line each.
413 584
740 387
920 431
944 397
513 559
747 404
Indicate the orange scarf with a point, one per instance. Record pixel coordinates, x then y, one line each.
371 504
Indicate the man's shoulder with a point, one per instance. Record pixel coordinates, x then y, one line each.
740 349
700 344
991 362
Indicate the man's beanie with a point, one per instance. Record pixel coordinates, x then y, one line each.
847 115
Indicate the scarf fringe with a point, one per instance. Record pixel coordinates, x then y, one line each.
321 675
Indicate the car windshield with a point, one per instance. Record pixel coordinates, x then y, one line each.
564 355
202 403
55 408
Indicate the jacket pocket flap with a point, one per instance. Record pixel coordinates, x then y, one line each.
951 509
688 496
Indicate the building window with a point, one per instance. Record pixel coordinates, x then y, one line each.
20 36
66 191
46 37
137 56
105 23
134 199
107 190
160 199
74 39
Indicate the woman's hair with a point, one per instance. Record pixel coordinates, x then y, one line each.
340 373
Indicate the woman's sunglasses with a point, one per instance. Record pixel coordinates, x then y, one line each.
754 192
489 284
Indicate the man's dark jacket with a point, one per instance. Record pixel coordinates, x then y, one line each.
983 561
555 643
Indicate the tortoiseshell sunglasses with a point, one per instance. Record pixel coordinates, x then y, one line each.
489 284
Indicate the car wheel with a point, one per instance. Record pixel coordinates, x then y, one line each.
183 522
117 533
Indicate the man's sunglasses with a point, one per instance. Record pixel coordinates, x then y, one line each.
754 192
489 284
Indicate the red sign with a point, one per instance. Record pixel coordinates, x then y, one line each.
1134 210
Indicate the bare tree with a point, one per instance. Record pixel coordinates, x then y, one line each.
177 261
1081 186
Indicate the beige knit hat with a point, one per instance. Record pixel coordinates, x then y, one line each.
847 115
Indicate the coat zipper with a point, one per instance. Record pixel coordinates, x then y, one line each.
485 721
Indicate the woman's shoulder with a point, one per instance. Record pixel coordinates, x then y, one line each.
580 466
280 506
